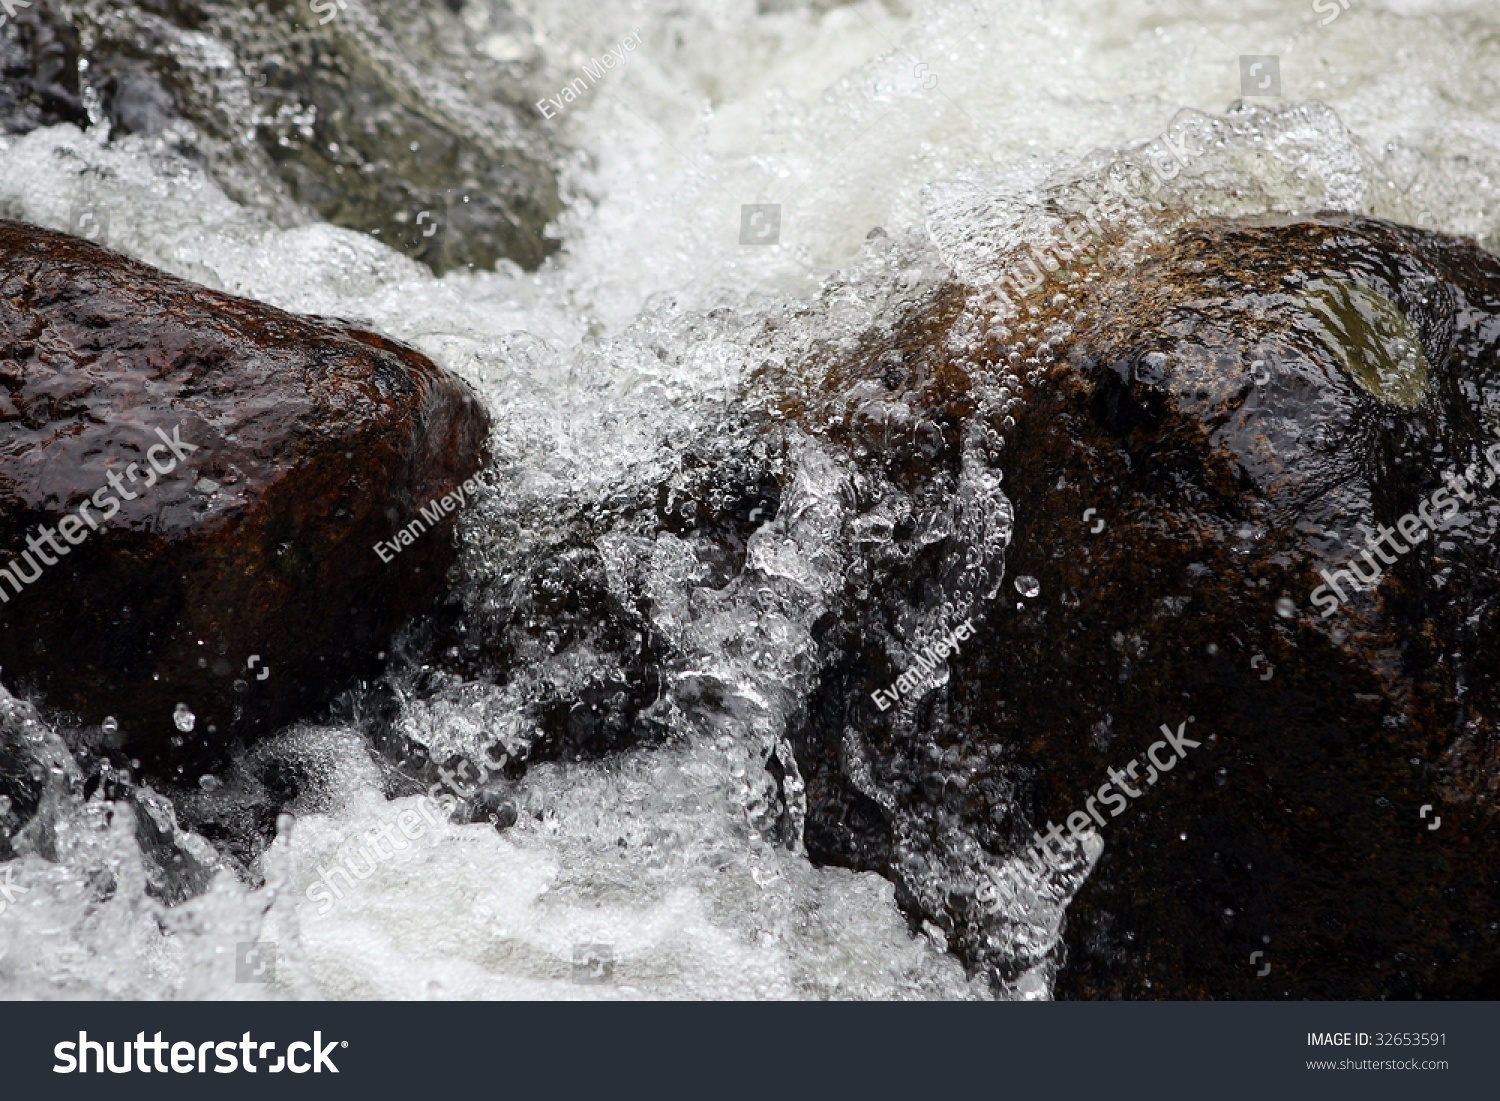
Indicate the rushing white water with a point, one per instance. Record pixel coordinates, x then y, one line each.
942 124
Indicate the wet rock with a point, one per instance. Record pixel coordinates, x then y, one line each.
24 763
1191 436
38 71
380 117
213 514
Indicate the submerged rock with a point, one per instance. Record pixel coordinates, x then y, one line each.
213 514
1195 439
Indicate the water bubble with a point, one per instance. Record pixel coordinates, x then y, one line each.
1285 608
1152 369
184 719
1028 586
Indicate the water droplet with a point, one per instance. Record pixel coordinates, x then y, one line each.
110 725
1285 608
1152 369
1028 586
184 719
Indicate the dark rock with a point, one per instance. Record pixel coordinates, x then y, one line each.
302 117
240 578
38 71
1238 405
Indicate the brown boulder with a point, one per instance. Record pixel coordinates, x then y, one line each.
192 487
1206 426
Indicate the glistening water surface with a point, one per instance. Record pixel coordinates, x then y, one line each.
892 148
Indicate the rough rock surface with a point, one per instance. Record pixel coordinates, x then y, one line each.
232 570
1240 406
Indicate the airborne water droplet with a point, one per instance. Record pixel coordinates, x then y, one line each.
1028 586
1285 608
110 725
184 719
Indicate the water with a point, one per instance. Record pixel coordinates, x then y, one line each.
902 145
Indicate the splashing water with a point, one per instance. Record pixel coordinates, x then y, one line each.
654 347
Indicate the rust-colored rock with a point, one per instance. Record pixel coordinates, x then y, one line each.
228 469
1238 407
